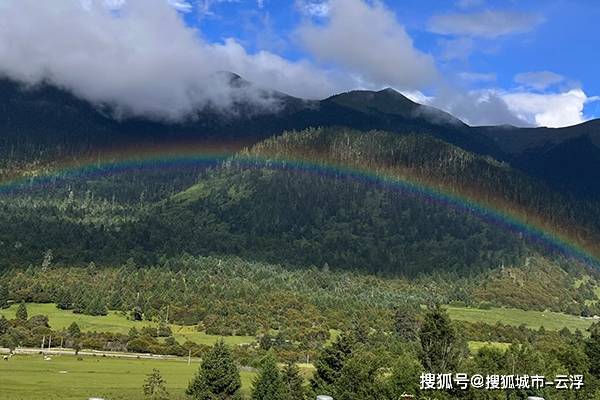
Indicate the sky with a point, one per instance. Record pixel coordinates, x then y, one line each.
488 62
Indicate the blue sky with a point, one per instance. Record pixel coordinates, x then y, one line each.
525 62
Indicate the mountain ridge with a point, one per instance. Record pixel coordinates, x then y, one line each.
47 121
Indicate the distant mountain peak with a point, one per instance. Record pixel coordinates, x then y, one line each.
232 79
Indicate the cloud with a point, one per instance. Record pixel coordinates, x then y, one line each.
456 49
539 80
205 6
313 8
486 24
367 41
110 52
549 109
124 60
477 107
518 108
180 5
476 77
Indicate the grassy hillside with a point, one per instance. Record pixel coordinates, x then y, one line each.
116 322
516 317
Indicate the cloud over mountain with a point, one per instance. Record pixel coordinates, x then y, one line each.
152 57
115 53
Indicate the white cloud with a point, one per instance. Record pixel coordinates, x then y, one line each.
518 108
366 40
476 107
476 77
126 61
539 80
417 96
313 8
549 109
181 5
487 24
456 49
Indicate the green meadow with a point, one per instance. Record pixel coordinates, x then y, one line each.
512 316
116 322
475 346
72 378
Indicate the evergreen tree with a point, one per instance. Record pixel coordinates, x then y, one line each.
65 302
592 349
440 345
268 385
405 376
22 312
359 379
293 383
329 364
4 325
3 296
74 330
96 307
155 387
218 377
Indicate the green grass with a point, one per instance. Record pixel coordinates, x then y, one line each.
475 346
511 316
66 378
116 322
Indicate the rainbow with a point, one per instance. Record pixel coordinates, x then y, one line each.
535 230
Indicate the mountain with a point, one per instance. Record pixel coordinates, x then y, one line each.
47 122
566 158
44 115
293 217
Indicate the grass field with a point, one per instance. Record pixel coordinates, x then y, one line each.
532 319
67 378
117 323
474 346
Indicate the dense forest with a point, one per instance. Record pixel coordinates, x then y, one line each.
281 215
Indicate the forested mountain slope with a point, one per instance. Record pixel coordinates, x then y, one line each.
276 212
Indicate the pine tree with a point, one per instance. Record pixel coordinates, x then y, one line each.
155 387
74 330
22 312
268 384
4 325
96 307
330 363
592 349
218 377
293 383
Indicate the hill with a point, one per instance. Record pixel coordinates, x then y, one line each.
268 212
